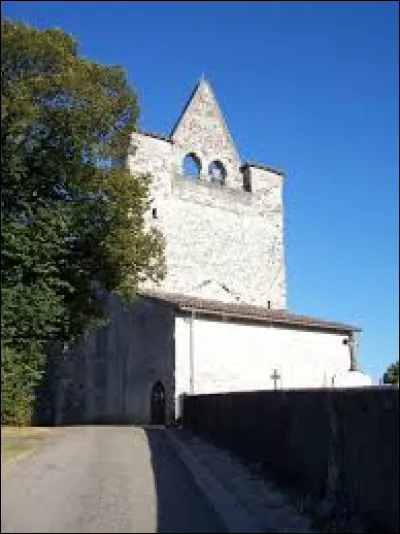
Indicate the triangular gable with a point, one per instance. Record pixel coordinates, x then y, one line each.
211 289
203 114
184 110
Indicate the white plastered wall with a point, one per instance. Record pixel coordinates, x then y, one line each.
230 356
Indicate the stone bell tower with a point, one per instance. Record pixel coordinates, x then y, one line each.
222 219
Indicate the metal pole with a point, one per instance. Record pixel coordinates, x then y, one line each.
353 356
191 356
352 344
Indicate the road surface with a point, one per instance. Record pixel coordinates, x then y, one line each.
104 479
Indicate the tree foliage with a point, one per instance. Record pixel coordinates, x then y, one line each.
391 376
71 213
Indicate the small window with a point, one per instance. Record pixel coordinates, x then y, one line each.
246 180
154 213
191 166
217 172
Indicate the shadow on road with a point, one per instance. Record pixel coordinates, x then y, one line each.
181 507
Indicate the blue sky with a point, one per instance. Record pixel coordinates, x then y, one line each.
311 87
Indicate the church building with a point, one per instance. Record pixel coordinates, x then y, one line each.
219 321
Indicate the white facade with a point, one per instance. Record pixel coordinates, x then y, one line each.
352 379
230 356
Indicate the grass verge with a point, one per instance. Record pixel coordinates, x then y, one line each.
18 442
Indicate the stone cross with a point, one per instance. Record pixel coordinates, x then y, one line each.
275 377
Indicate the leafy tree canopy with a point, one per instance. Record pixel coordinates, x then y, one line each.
391 376
71 212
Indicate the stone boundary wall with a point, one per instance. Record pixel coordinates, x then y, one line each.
339 446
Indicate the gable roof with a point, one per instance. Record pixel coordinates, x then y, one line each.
248 312
224 292
201 87
169 138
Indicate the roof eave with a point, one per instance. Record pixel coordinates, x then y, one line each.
278 321
271 317
265 167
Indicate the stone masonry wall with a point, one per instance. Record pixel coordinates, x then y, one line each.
216 233
108 376
202 130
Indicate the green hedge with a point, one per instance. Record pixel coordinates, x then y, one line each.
18 381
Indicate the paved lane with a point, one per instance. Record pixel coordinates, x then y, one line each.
104 479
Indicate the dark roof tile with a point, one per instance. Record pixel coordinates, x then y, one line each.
156 135
265 167
249 312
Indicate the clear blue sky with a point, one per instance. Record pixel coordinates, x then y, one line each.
309 87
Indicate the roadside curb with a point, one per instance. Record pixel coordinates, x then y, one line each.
235 517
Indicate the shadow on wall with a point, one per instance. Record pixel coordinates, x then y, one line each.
180 505
44 406
55 406
107 375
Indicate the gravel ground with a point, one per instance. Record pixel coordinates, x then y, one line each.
104 479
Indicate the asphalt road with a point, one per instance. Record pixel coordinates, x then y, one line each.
104 479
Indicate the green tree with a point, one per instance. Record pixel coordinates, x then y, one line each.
391 376
72 215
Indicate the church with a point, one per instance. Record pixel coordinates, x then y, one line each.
218 322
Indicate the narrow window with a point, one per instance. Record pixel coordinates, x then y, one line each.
246 179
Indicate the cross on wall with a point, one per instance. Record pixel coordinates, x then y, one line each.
275 376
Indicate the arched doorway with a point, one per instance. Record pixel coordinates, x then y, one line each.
157 404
